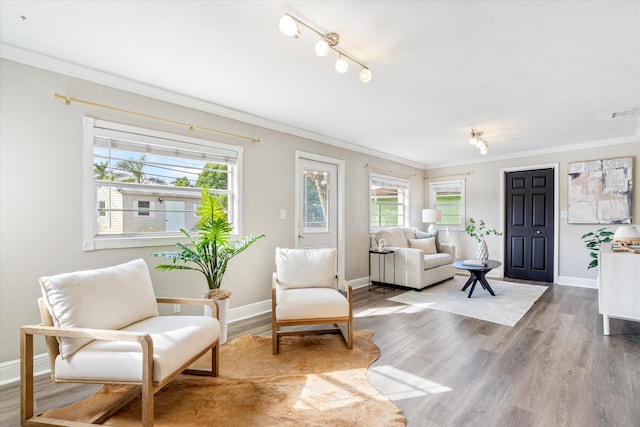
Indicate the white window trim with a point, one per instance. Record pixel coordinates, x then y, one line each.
89 220
434 185
407 204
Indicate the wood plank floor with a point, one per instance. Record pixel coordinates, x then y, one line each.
554 368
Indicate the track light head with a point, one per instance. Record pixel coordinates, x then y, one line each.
341 65
289 27
365 75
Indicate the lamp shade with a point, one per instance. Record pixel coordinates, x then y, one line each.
431 215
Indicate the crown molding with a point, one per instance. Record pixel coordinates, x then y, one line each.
48 63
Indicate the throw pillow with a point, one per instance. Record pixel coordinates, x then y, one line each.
428 245
425 235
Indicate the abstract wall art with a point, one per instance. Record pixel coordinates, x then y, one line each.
599 191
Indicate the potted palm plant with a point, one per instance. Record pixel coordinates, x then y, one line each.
209 252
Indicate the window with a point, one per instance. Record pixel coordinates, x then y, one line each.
143 208
448 196
389 201
102 208
143 186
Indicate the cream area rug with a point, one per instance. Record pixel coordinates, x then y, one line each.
511 303
314 381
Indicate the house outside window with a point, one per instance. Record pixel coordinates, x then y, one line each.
147 184
449 198
389 201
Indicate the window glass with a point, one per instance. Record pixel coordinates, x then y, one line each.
146 185
316 201
389 201
448 197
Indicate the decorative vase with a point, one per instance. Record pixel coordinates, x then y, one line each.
482 253
222 296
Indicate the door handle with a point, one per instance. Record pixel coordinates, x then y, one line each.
300 236
538 232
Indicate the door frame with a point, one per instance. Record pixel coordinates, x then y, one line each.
340 164
556 209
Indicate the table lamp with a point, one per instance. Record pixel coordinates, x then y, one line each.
432 217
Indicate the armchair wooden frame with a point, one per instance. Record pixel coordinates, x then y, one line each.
148 387
343 325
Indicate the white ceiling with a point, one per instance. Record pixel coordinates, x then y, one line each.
532 75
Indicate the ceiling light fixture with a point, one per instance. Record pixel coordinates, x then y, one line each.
289 27
477 140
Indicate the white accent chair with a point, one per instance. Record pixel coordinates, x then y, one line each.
306 290
103 326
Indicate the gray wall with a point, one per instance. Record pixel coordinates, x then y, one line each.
41 195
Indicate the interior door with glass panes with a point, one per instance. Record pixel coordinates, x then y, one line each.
317 204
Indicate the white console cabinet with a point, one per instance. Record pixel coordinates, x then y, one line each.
619 285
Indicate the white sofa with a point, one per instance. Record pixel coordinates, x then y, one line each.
418 260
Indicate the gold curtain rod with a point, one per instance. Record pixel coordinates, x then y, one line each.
447 176
68 100
369 165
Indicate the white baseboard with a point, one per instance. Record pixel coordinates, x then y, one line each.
10 371
578 282
359 283
249 310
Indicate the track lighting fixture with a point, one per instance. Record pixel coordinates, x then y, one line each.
289 26
477 140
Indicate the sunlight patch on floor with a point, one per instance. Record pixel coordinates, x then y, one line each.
332 390
381 311
404 385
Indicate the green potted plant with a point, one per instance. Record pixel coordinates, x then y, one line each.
593 240
479 231
209 251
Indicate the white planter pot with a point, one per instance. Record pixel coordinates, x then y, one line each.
222 296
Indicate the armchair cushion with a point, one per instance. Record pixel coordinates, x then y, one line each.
317 303
121 360
427 245
306 268
106 298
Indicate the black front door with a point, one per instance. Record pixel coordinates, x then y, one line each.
529 225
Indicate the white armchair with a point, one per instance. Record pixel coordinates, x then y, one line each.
306 290
103 326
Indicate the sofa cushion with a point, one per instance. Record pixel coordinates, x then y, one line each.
306 268
425 235
427 245
175 340
394 237
436 260
105 298
410 232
